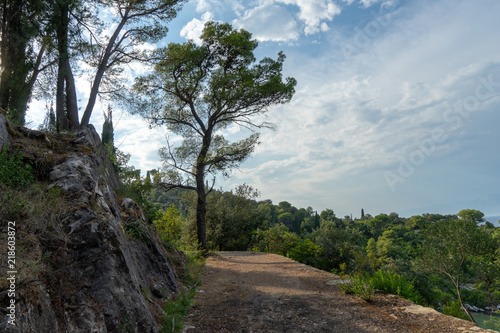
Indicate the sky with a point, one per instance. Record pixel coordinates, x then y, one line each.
397 106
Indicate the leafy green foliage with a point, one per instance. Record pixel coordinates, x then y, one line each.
358 285
13 171
493 323
454 309
138 230
388 254
451 244
392 283
168 224
276 239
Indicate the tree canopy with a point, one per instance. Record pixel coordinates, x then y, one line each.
44 41
197 91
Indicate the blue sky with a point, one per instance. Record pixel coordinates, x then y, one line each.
397 107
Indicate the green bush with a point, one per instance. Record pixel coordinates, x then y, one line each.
306 252
358 285
493 323
475 297
453 309
13 172
168 224
137 230
395 284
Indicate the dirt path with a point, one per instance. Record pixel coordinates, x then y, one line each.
257 292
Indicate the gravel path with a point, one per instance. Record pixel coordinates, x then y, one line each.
260 292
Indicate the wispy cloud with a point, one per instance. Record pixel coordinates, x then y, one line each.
360 116
269 22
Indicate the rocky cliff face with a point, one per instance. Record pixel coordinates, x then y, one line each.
77 268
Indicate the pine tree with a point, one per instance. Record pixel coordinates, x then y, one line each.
107 135
49 122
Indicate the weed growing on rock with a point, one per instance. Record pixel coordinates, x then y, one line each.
13 172
138 230
126 327
176 310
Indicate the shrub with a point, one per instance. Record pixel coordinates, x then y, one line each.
475 297
358 285
395 284
168 224
306 252
13 172
453 309
493 323
138 230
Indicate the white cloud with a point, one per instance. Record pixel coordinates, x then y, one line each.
314 12
193 29
202 6
269 22
218 6
388 4
368 3
355 120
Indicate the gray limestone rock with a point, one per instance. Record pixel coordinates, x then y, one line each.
102 280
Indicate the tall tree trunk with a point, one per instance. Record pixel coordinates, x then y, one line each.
71 99
201 210
4 58
201 206
66 103
61 120
17 63
103 64
19 28
22 102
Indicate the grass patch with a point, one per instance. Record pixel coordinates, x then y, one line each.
176 310
36 211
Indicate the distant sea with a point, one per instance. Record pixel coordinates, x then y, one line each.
493 219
